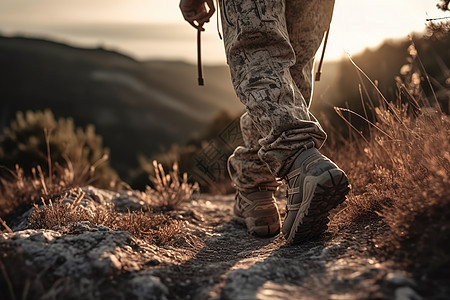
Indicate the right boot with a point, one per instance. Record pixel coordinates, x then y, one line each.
258 211
316 185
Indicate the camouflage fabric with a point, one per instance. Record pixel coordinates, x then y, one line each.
270 47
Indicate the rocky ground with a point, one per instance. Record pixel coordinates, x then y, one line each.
213 259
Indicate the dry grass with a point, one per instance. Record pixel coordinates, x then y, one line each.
168 193
401 178
405 159
152 227
18 192
170 190
400 175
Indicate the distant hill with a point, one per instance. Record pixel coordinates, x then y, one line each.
138 107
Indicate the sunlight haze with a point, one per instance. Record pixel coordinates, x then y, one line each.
153 29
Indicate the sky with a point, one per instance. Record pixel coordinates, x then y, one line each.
155 29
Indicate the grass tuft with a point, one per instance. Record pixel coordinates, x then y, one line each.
18 192
169 190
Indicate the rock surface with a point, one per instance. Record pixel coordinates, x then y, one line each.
89 253
215 259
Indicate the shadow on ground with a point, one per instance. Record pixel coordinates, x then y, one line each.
235 265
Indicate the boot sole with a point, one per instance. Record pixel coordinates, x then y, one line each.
320 195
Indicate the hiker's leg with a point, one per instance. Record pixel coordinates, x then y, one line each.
260 56
255 205
306 23
248 173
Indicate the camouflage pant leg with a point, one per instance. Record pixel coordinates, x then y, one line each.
309 32
260 56
247 171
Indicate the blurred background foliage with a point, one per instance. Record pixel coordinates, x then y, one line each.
34 137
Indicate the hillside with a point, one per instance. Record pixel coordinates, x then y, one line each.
137 107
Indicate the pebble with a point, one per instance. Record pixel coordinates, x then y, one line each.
406 293
400 280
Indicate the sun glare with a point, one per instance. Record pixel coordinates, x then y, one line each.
356 25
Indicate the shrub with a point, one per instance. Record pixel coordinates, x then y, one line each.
36 138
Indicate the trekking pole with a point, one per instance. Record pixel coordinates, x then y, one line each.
319 69
199 57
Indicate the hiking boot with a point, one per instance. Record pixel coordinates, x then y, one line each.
315 186
258 211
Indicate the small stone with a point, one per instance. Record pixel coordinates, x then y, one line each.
115 262
42 237
152 262
147 287
400 280
406 293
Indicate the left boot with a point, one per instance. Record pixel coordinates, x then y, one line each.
315 186
258 211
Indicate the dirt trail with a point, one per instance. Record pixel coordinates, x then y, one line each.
214 259
231 264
